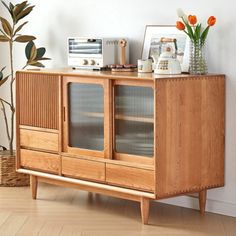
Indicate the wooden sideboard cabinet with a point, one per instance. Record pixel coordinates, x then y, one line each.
126 135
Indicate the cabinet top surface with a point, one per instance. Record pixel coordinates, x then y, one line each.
111 75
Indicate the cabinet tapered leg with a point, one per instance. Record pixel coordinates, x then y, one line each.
34 186
144 204
202 201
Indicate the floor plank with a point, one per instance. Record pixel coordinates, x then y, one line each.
31 227
51 229
65 212
3 216
12 225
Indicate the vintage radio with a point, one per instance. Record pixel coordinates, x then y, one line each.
94 53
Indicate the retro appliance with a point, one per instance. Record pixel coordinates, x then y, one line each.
94 53
167 62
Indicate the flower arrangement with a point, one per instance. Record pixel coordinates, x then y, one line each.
197 35
193 29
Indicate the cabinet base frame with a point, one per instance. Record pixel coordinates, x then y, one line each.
89 186
129 194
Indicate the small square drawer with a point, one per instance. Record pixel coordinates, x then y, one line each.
130 177
39 140
85 169
40 161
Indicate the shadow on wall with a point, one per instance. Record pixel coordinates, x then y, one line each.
57 38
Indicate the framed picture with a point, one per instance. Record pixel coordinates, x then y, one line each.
158 37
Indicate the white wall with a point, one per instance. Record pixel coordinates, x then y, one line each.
53 21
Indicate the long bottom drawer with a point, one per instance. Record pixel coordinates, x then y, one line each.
130 177
34 160
85 169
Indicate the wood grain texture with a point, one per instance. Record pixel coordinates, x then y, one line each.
80 168
89 74
130 177
133 158
39 140
38 103
145 205
34 186
108 125
17 130
111 161
39 161
202 201
190 134
38 129
89 186
60 120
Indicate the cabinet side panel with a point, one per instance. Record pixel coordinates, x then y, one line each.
190 134
38 105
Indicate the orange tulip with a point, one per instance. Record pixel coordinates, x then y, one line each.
211 21
192 19
180 25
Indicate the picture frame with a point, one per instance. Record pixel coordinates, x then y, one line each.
153 47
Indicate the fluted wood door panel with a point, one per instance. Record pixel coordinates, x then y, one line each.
38 100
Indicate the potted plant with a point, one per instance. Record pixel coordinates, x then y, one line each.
10 34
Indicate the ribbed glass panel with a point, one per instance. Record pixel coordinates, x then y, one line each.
134 120
86 116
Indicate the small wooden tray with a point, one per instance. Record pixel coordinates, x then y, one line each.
123 69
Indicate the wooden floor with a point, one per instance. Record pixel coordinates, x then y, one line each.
65 212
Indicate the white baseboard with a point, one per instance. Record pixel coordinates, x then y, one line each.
213 206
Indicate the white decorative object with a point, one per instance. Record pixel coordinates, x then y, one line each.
145 66
167 63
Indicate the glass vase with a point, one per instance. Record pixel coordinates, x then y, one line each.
197 57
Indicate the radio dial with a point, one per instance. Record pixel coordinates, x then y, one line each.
92 62
85 62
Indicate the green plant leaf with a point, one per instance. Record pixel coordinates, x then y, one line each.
204 34
36 63
4 80
4 38
3 68
33 53
24 13
198 31
28 48
190 31
19 8
187 34
6 26
11 6
24 38
40 52
20 27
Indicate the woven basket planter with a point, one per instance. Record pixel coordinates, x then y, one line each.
8 175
